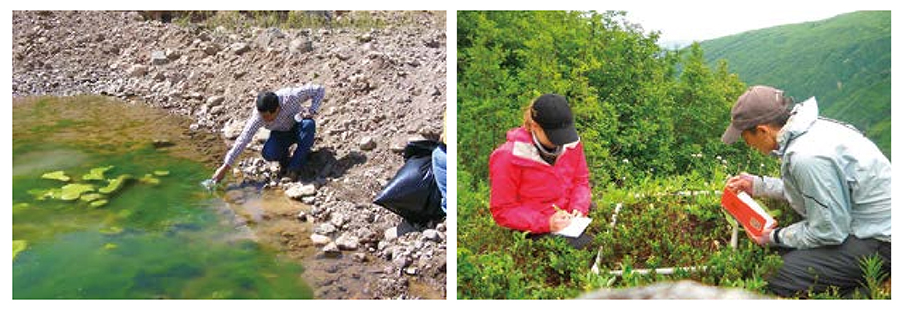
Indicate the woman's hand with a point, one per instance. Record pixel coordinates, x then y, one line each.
577 213
559 220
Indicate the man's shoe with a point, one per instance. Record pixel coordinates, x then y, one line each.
292 175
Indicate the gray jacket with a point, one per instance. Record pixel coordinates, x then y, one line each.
836 178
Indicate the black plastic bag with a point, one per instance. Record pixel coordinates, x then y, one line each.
413 193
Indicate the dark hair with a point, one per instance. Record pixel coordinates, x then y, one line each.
266 102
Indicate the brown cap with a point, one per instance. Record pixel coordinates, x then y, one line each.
759 105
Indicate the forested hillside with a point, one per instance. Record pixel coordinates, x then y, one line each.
844 61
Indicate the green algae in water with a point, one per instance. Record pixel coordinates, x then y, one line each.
149 179
161 173
56 175
98 203
110 246
170 242
96 174
71 192
115 184
114 230
91 197
19 246
44 194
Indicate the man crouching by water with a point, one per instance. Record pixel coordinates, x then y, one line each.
282 113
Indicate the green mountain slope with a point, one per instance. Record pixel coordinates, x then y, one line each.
844 61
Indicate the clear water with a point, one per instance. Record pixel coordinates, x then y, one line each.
168 240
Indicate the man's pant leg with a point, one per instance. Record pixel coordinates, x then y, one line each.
439 166
305 135
276 147
815 270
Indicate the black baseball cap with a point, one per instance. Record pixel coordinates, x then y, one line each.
552 113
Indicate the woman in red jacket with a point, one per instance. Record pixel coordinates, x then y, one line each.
539 177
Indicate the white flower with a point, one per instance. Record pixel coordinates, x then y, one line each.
718 157
625 160
724 162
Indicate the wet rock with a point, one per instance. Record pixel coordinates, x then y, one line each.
359 257
302 216
162 143
331 250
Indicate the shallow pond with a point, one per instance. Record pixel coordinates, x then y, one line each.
160 235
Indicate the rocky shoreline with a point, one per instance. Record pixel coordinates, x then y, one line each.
385 86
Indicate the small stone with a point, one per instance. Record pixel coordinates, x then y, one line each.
215 100
367 143
390 234
332 268
158 58
308 200
412 271
297 191
172 54
211 49
347 243
359 257
366 37
331 249
240 48
137 71
325 229
338 220
401 261
431 235
300 46
319 240
302 216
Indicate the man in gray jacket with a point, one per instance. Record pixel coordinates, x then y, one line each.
833 176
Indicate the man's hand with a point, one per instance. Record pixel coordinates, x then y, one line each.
220 173
306 114
559 220
765 238
741 183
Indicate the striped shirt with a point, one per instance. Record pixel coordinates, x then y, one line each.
289 100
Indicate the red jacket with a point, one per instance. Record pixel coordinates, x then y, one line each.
524 187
